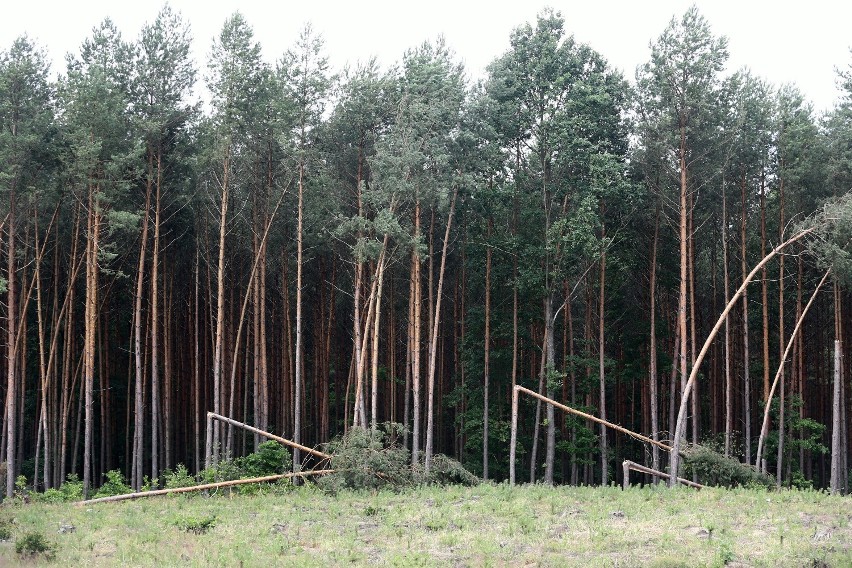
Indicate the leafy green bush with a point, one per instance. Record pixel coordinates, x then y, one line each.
116 484
714 468
33 543
71 490
271 458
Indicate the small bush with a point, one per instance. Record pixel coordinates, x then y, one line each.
714 468
33 543
180 477
71 490
5 532
271 458
196 525
116 484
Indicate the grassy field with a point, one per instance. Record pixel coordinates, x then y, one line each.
489 525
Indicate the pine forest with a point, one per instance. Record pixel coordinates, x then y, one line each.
310 250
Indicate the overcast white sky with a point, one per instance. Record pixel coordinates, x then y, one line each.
800 42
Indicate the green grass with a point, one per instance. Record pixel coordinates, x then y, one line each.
488 525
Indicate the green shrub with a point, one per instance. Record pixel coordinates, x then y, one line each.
713 468
180 477
5 532
33 543
271 458
197 525
116 484
71 490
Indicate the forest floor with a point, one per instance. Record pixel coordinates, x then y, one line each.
488 525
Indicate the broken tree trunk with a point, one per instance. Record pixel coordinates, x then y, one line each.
514 430
213 416
628 465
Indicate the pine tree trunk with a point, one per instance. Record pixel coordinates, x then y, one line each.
487 353
418 300
681 305
11 376
155 326
297 408
652 355
601 369
746 380
727 285
94 227
433 349
781 341
220 307
834 481
765 298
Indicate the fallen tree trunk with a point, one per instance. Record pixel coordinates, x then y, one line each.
628 465
203 487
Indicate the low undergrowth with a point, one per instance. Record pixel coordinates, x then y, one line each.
447 525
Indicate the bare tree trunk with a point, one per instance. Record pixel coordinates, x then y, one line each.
835 482
652 356
746 380
601 369
487 354
11 375
433 349
374 401
90 321
139 410
781 350
542 377
220 306
155 325
729 418
765 290
681 303
418 299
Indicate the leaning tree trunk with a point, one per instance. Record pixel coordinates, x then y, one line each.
779 376
681 417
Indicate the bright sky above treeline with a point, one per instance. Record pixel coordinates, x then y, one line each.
803 43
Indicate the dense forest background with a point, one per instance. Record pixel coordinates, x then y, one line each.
309 252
